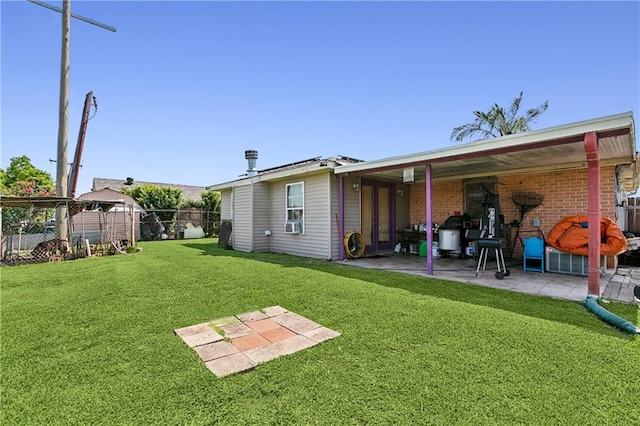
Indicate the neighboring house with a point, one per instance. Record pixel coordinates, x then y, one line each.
189 192
578 166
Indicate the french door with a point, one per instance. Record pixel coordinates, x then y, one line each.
377 218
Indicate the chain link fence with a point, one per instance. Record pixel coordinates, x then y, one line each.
162 224
28 234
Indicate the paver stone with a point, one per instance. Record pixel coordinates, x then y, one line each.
283 347
251 316
230 364
250 341
236 330
262 325
216 350
277 334
296 323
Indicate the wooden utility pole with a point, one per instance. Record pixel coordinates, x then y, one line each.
77 158
63 117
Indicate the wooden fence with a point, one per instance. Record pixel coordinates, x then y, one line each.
633 215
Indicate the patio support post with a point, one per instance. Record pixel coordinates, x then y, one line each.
341 227
429 219
593 184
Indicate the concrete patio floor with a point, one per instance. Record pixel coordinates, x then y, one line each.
615 285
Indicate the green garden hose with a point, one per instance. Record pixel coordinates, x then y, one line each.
592 305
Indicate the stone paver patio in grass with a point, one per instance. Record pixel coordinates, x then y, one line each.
239 343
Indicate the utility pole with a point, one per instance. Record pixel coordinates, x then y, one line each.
75 166
63 118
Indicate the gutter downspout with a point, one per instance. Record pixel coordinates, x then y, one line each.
429 218
593 184
341 227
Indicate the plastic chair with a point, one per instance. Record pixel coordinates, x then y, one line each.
533 251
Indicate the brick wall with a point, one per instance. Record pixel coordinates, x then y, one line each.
447 197
565 194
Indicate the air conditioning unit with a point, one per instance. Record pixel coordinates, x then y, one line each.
567 263
292 227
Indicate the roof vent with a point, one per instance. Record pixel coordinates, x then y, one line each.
251 157
129 181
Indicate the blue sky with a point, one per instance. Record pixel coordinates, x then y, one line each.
184 88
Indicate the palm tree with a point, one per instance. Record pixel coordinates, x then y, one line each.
498 121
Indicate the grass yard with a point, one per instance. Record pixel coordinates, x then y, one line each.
91 342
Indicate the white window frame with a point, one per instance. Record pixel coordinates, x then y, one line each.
290 210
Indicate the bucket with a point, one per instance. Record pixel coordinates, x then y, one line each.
435 251
469 250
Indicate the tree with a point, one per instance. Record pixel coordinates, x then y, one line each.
211 201
24 179
165 201
211 206
153 197
499 122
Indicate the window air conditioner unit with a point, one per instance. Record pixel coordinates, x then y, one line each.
292 227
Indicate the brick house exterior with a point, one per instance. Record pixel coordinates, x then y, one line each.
565 194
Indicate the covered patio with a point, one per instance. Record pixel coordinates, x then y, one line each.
576 152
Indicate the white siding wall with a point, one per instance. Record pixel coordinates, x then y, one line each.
261 216
242 226
351 206
351 212
225 210
315 242
225 205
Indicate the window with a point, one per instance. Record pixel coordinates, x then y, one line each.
295 203
475 191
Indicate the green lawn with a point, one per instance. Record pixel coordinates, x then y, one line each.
91 342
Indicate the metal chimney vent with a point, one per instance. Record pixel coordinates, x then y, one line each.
129 181
251 157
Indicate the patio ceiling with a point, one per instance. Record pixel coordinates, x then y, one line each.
557 148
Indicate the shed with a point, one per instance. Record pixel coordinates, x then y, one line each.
119 222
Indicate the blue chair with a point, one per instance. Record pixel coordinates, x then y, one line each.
533 254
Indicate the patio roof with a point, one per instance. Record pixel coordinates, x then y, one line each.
75 206
551 149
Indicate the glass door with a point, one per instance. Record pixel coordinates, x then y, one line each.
377 219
